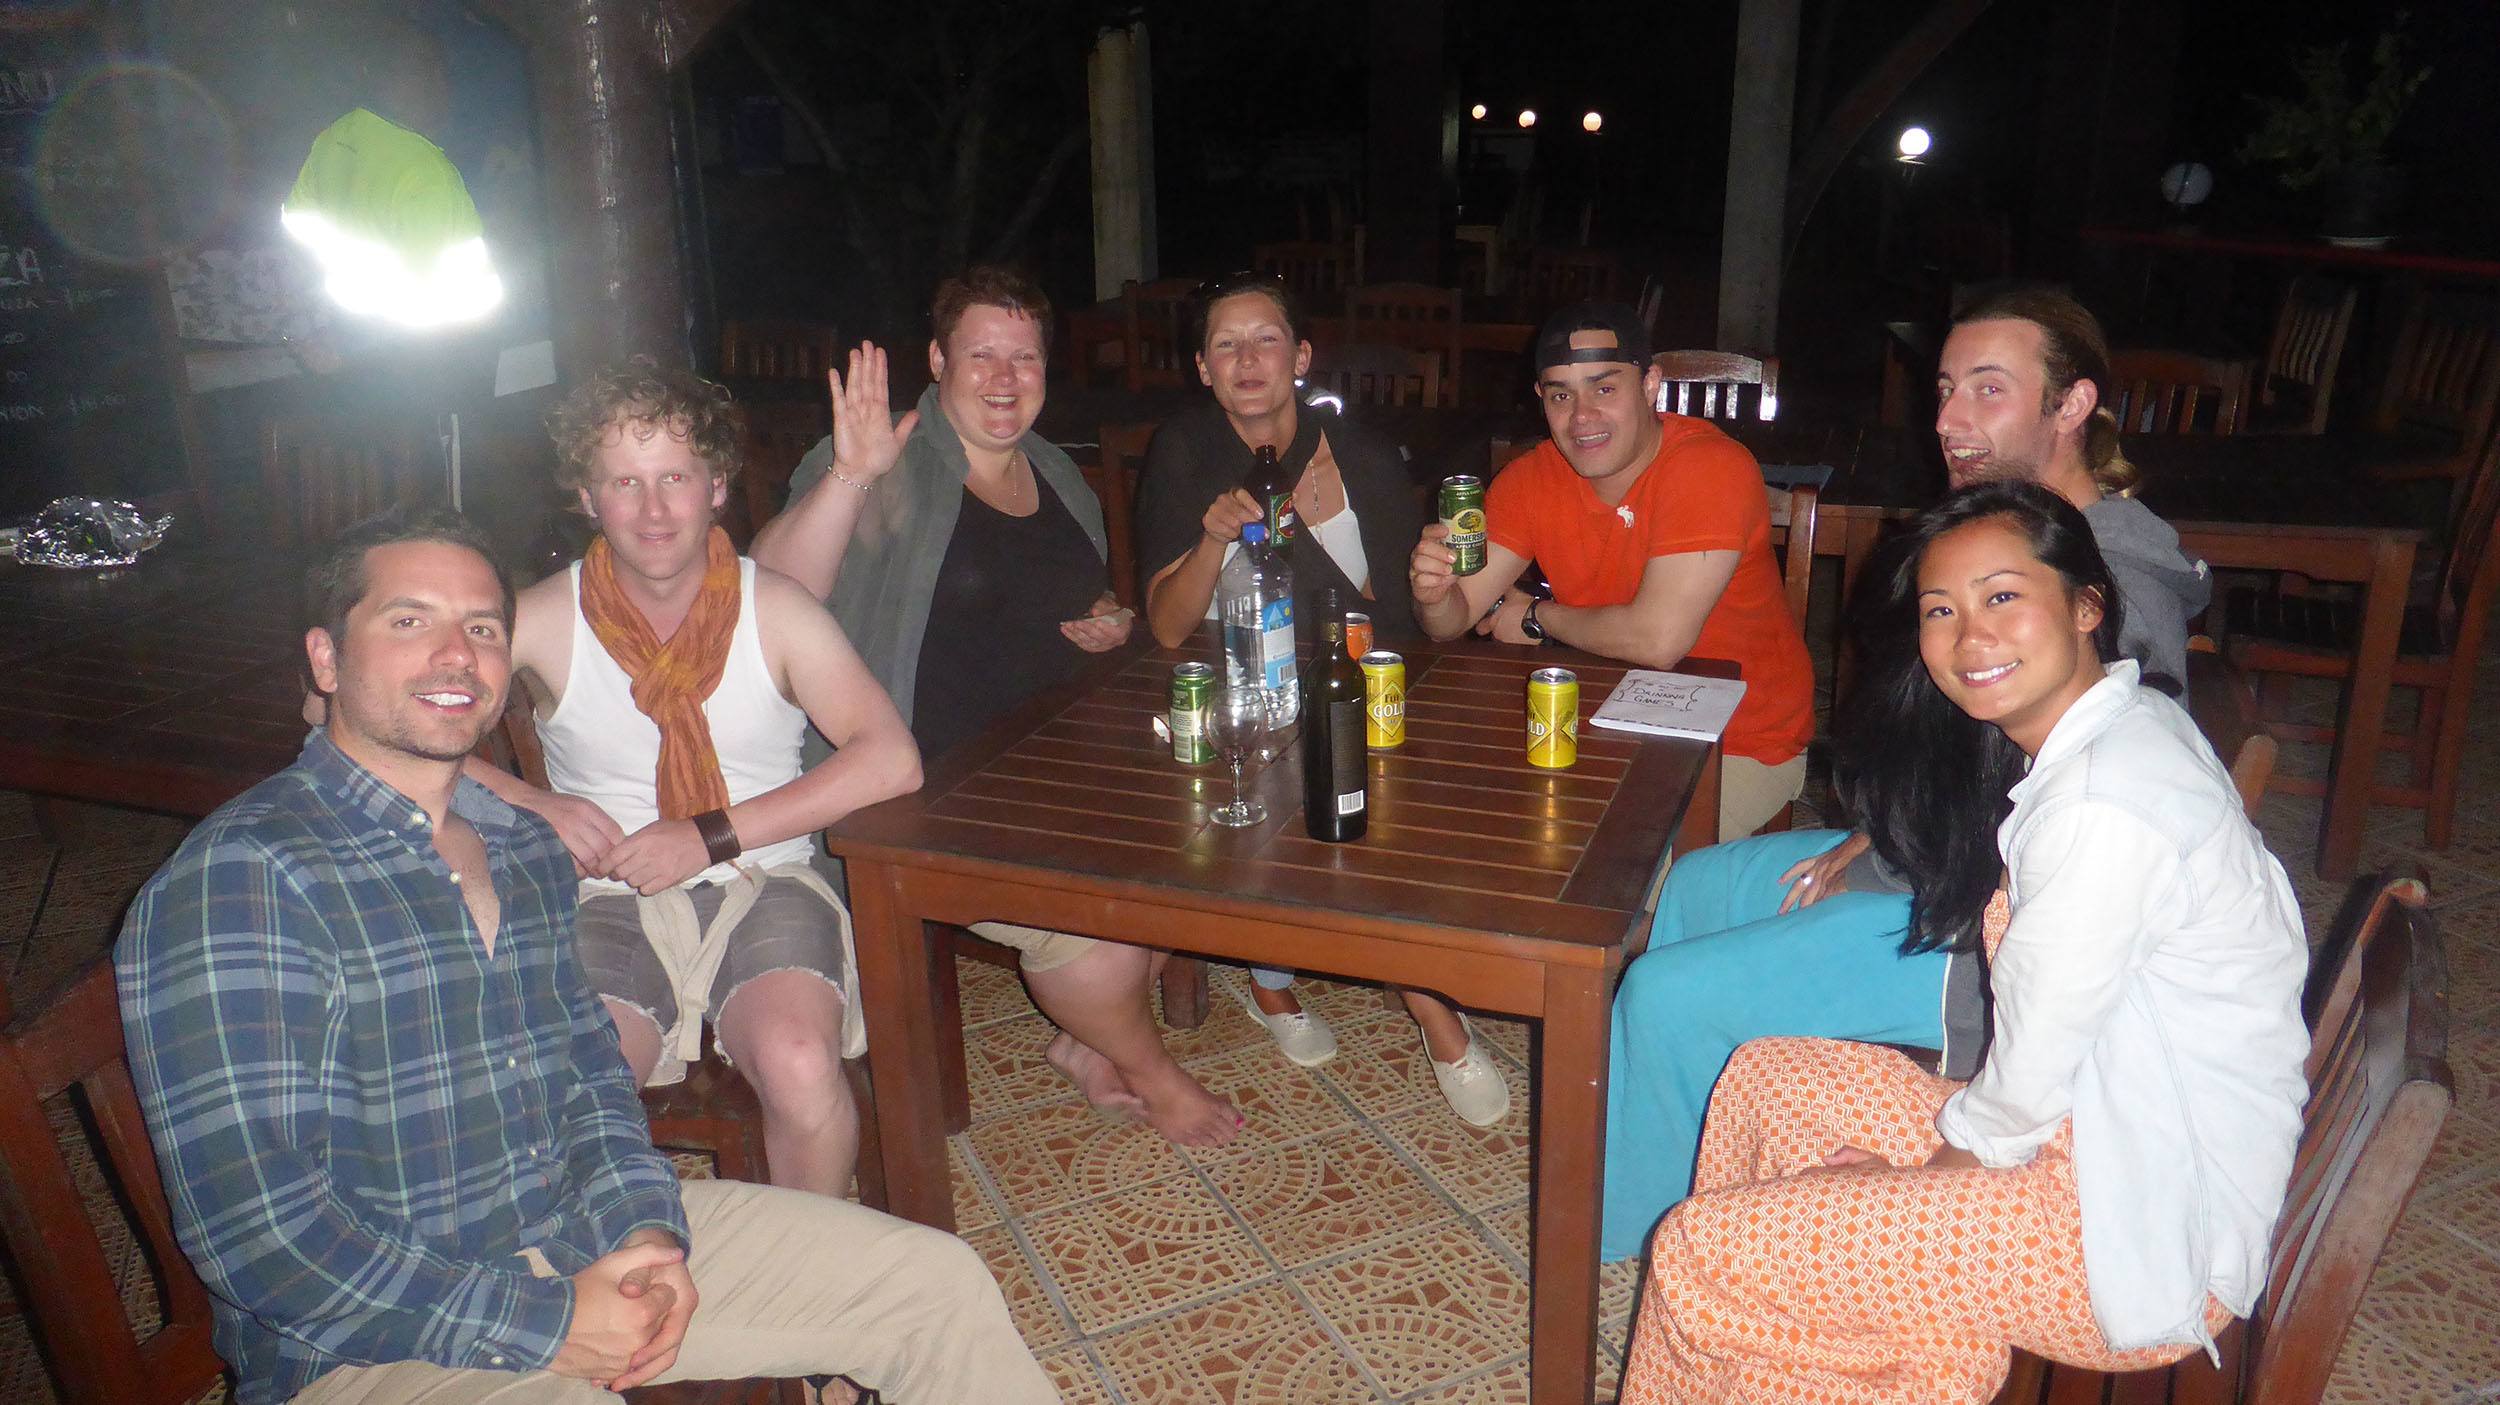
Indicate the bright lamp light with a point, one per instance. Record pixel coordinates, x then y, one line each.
1527 117
386 215
1591 122
1477 112
1914 143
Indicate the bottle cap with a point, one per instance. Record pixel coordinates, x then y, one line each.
1253 533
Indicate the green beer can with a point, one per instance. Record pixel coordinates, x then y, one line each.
1193 684
1462 511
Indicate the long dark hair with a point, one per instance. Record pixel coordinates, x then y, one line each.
1925 781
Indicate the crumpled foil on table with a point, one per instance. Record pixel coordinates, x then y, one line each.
88 532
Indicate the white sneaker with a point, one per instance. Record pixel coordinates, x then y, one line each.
1474 1085
1303 1038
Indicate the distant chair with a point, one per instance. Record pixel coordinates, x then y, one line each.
1154 333
321 474
778 434
2297 382
1369 374
2175 392
1711 385
1114 477
1318 271
1417 316
2443 381
778 349
1555 277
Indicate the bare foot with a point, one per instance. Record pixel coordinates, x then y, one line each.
1093 1076
1182 1110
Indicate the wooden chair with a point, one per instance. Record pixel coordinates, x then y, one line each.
2174 392
319 475
1797 571
2443 382
779 433
2438 647
1417 316
1555 277
1154 334
1710 385
1114 477
73 1301
2297 381
1318 271
2379 1090
1382 375
2219 700
778 349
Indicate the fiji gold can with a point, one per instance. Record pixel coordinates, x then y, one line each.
1358 635
1384 700
1553 718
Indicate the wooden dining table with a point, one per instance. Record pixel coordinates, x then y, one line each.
1504 887
172 685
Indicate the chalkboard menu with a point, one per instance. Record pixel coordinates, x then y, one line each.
90 371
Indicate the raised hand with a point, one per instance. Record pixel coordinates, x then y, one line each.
866 438
1432 572
1227 515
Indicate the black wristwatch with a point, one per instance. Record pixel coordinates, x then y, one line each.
1528 625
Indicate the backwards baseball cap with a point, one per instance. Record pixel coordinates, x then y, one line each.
1625 338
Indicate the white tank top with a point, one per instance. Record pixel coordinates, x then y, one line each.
600 747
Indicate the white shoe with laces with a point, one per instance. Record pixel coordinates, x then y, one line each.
1303 1038
1474 1084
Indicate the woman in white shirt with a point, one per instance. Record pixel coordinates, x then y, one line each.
2103 1192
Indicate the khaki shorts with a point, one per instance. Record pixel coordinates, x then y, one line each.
1750 792
1042 951
789 928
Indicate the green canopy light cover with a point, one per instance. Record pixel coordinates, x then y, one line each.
385 213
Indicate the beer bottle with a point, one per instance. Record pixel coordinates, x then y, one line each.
1273 490
1334 766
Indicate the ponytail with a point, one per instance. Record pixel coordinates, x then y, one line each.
2111 469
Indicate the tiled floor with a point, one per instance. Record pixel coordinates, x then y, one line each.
1360 1244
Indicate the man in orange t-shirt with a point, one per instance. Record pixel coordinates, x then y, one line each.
1655 533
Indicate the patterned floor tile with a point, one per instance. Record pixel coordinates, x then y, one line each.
1080 1382
1477 1166
2472 938
1510 1036
1279 1102
972 1208
2474 1059
1060 1152
1151 1247
1004 1067
988 992
2469 1209
1510 1225
1037 1318
1312 1199
2468 1149
2423 1259
1227 1026
1259 1347
1385 1071
2460 1335
2375 1369
1435 1305
1506 1384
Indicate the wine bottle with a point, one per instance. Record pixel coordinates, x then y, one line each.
1334 760
1273 490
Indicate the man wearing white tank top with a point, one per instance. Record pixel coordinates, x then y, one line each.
673 682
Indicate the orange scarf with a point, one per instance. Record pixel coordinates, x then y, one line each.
671 680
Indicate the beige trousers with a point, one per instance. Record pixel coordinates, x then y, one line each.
787 1284
1750 793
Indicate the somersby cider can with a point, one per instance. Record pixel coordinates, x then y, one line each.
1553 718
1384 700
1462 511
1193 687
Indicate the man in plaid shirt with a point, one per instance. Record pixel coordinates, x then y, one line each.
401 1146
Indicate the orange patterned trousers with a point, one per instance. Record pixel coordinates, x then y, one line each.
1877 1284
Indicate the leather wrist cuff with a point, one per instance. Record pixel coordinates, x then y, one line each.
720 838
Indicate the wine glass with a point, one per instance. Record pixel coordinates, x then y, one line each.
1236 721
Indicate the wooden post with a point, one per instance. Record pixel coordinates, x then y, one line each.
1120 82
1762 113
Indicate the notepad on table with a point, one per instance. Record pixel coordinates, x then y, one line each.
1670 704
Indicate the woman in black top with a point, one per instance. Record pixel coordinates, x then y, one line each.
1359 518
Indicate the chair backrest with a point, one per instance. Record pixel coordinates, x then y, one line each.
319 474
1711 385
1313 268
2308 344
2444 378
1371 374
1554 277
778 349
1154 319
2176 392
2224 707
779 433
74 1299
2467 574
1113 477
1418 316
1797 573
2381 1090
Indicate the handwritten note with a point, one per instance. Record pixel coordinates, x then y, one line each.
1670 705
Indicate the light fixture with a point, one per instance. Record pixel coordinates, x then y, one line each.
386 215
1591 122
1477 112
1527 117
1914 143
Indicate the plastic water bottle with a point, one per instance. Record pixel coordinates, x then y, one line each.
1254 599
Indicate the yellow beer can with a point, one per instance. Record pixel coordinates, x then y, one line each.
1553 718
1384 700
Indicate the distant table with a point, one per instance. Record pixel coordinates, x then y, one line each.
171 685
1505 887
2261 502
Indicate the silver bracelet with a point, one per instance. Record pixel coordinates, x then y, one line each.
839 477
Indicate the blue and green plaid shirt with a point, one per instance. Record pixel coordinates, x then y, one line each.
361 1116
